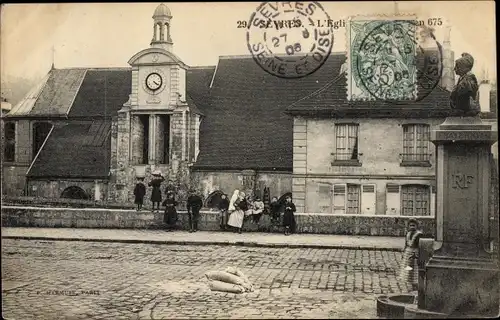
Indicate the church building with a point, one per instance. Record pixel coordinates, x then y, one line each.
90 132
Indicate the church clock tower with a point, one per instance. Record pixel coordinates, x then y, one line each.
156 128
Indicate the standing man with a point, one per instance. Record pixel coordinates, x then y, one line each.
194 204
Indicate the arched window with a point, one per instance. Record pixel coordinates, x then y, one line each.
75 192
214 199
10 142
40 132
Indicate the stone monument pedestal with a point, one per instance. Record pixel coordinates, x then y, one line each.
461 277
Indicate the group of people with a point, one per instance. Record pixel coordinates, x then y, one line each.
170 216
239 208
234 211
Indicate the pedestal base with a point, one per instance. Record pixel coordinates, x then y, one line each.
393 306
462 286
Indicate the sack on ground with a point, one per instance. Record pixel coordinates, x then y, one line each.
246 282
216 285
224 277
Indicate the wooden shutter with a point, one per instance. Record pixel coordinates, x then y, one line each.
325 198
393 200
433 200
339 198
368 199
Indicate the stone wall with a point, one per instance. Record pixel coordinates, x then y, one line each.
52 189
116 218
14 179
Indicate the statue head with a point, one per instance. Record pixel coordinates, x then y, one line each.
464 64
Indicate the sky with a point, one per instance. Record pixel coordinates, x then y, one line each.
109 34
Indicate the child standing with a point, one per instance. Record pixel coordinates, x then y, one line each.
223 207
139 193
409 265
275 210
170 215
288 216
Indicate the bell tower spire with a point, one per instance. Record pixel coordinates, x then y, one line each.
161 28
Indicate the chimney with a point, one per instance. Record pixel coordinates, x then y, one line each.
448 76
484 95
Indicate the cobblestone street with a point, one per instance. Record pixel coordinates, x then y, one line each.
93 280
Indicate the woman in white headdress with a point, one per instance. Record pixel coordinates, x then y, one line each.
239 205
233 199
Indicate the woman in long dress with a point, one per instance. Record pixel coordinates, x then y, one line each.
237 204
170 216
156 192
288 216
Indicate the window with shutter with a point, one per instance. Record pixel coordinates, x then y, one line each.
353 199
339 198
416 140
393 199
415 200
368 199
346 143
325 198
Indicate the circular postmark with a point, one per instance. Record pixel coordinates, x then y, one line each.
290 39
393 64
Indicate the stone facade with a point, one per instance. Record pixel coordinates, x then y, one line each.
379 154
207 182
52 189
14 173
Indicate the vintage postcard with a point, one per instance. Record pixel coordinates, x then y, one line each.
234 160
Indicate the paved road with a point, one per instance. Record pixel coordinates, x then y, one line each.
95 280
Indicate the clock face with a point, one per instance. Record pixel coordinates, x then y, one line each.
154 81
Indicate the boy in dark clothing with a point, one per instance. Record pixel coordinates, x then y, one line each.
223 207
139 193
275 208
194 204
288 216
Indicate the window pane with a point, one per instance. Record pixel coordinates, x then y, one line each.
416 142
346 142
353 195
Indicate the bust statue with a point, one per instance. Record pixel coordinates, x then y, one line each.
463 97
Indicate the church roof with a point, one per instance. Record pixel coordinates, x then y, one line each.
78 149
246 126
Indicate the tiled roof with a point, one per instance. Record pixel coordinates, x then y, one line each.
25 106
331 100
59 92
245 126
79 149
102 93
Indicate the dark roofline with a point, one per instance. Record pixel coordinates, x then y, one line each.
95 68
201 67
418 112
239 168
37 117
80 178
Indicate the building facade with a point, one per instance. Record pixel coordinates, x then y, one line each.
88 133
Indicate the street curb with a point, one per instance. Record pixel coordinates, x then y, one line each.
213 243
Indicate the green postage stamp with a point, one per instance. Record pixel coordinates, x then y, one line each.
382 55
